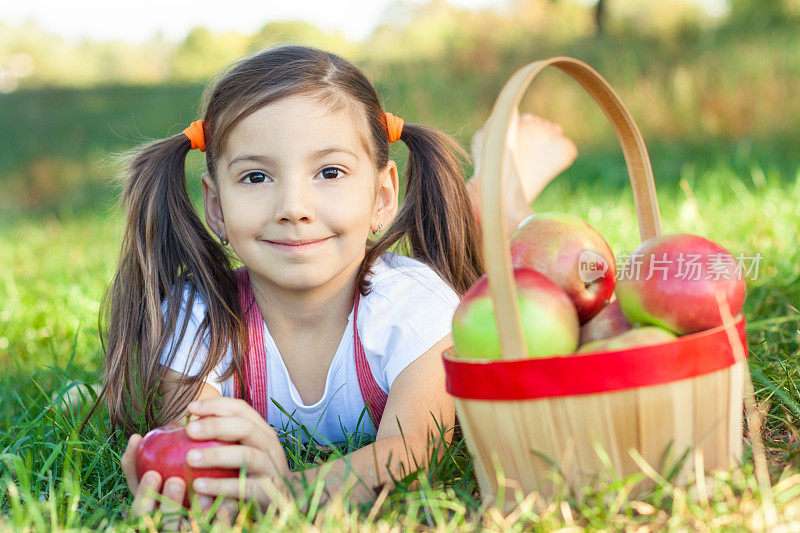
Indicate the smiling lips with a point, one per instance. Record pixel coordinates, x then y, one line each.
296 245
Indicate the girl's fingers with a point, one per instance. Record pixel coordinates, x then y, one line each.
233 429
256 462
174 492
205 502
144 501
129 462
263 488
149 493
223 406
227 512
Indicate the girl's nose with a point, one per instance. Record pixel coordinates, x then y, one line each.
294 201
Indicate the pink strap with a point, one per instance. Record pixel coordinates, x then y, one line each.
256 364
373 395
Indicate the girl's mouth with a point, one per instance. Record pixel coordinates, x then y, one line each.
297 247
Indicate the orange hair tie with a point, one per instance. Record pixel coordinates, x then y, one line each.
395 126
195 134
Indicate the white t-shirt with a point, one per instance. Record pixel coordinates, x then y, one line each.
409 309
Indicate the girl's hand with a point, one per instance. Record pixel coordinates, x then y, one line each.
258 449
144 500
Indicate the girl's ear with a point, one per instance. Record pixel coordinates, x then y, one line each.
386 196
212 205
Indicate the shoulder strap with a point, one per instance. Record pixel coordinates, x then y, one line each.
374 396
255 364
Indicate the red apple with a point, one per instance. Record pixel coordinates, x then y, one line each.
643 336
164 450
569 251
670 281
549 320
609 322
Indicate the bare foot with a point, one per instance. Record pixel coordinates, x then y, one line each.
543 152
537 152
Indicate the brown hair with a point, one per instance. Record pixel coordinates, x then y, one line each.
166 246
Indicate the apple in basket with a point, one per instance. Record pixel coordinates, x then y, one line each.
641 336
609 322
549 320
572 253
671 281
164 450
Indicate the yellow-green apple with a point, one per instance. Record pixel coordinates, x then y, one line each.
671 281
609 322
549 320
572 253
642 336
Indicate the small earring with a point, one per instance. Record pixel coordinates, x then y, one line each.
375 232
222 240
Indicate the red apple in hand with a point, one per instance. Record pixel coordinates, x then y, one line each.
549 321
570 252
164 450
670 281
609 322
643 336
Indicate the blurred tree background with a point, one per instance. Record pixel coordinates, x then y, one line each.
705 82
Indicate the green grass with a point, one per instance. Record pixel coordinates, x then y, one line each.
58 268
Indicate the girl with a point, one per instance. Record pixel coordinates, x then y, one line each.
320 320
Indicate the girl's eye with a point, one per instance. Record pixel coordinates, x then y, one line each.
256 177
331 173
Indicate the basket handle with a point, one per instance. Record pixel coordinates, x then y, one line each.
498 262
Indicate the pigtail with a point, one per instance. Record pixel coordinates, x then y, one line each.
436 223
164 247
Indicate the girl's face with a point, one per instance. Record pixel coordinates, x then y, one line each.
292 172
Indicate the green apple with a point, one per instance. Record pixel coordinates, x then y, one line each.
549 319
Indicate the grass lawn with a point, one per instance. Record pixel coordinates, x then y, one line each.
745 197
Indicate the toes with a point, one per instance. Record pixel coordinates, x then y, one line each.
536 121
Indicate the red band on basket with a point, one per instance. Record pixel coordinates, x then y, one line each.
523 379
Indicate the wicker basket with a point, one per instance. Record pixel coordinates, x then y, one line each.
591 416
